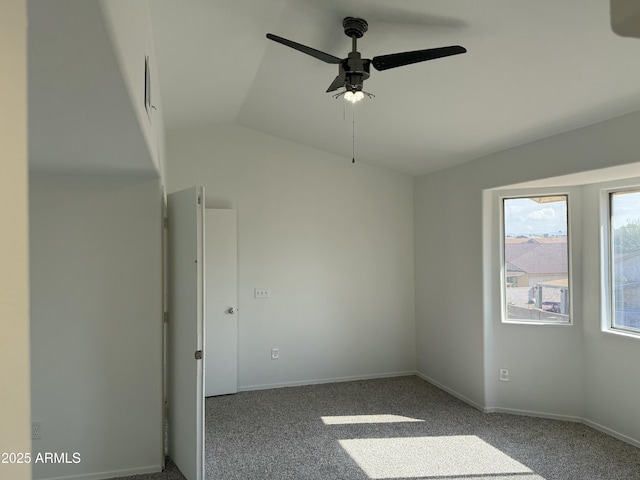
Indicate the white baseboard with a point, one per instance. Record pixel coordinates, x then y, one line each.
613 433
300 383
511 411
112 474
450 391
567 418
529 413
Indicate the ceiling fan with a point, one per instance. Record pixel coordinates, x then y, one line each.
354 70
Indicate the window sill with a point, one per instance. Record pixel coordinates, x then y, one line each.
536 323
621 333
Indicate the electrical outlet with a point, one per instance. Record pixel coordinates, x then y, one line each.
504 375
275 354
36 429
261 293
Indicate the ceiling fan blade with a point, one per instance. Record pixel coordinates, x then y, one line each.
325 57
394 60
337 83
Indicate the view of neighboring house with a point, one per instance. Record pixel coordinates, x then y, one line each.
536 271
533 260
536 278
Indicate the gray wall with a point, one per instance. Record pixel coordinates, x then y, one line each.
96 323
331 240
556 371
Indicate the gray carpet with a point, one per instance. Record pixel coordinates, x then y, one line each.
398 428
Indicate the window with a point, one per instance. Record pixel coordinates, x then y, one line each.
624 261
535 259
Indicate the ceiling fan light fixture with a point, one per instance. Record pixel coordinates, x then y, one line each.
354 70
353 97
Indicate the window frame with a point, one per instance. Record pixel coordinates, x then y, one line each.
532 193
607 262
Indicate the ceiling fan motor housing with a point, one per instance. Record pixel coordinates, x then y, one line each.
356 71
355 27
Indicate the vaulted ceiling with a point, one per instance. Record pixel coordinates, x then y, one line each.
532 69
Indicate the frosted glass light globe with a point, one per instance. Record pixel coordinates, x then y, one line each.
353 97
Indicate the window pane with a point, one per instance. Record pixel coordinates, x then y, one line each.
536 259
625 260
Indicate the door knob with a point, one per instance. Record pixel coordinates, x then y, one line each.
231 310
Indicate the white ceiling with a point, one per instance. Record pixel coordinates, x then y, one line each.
533 69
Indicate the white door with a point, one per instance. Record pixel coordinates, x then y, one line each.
185 330
221 319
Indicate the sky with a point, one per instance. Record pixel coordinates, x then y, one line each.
523 216
625 208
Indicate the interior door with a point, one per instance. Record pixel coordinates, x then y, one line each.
221 319
185 330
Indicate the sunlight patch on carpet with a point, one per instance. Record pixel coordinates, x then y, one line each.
355 419
428 457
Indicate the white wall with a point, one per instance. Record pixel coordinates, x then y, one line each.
96 323
14 270
448 265
612 376
331 240
81 114
463 344
541 359
129 25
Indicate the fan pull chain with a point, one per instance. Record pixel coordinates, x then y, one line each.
353 135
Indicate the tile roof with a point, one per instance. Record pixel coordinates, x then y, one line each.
537 258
